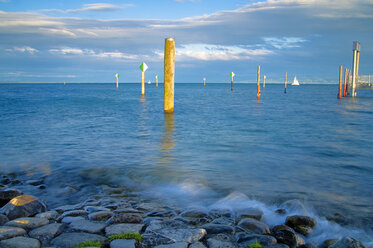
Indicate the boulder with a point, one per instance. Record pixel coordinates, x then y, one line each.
218 228
123 228
221 241
3 219
93 209
253 225
294 206
301 224
20 242
249 238
23 206
197 245
123 243
194 213
347 242
253 213
124 217
329 242
7 232
66 208
46 233
100 215
87 226
174 245
6 194
50 215
221 212
286 236
162 213
69 219
224 221
69 240
28 223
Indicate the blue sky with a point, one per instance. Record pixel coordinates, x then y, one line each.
91 41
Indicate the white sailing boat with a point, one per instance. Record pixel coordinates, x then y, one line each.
149 82
295 82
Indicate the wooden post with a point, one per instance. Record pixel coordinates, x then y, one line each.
169 74
232 75
286 80
156 81
258 84
345 86
142 83
264 81
355 66
117 76
340 81
204 81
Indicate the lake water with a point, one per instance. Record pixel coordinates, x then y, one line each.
220 147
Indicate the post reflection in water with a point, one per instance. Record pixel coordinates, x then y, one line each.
167 141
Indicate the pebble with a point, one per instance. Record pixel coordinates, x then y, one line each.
253 225
7 232
20 242
28 223
87 226
123 228
122 243
23 206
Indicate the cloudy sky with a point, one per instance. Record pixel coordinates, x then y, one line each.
91 41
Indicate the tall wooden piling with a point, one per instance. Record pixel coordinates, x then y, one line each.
345 83
258 84
156 81
264 81
142 83
286 80
232 75
169 74
355 66
204 81
340 82
117 76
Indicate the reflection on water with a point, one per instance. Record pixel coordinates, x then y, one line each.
167 140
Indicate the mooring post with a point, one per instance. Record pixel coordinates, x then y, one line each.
258 84
156 81
204 81
355 66
264 81
340 81
286 80
117 76
143 67
169 74
232 75
345 86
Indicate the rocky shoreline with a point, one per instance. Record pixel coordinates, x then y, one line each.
112 220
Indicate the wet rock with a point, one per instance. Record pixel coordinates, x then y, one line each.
87 226
66 208
301 224
286 236
120 217
69 219
224 221
34 182
69 240
153 239
194 213
23 206
174 245
280 211
6 194
294 206
186 221
93 209
73 213
347 242
217 213
300 240
253 213
20 242
282 227
338 218
123 228
276 246
50 215
28 223
4 180
253 225
249 238
329 242
218 228
46 233
162 213
197 245
100 216
7 232
123 243
3 219
221 241
42 186
15 182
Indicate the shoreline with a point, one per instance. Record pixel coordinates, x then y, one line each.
164 226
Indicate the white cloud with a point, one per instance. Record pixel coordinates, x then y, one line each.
25 49
92 53
91 7
284 42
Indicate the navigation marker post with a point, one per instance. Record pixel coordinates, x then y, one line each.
117 76
258 84
286 80
156 81
204 81
264 81
232 75
340 82
345 86
143 67
169 75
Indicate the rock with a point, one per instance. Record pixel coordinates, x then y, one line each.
100 215
124 217
174 245
218 228
162 213
277 246
66 208
6 194
300 241
294 206
194 213
73 213
153 239
221 241
50 215
46 233
253 213
197 245
69 219
329 242
282 227
224 221
123 243
301 224
28 223
347 242
42 186
3 219
216 213
286 236
20 242
123 228
249 238
253 225
93 209
280 211
7 232
87 226
23 206
34 182
69 240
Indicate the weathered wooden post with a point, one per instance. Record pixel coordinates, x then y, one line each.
117 76
340 82
143 67
156 81
286 80
169 74
258 84
204 81
232 75
264 81
345 83
355 66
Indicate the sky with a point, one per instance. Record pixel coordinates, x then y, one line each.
91 41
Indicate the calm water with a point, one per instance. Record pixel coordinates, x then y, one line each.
218 148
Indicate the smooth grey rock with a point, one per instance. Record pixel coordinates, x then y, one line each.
124 217
197 245
347 242
294 206
253 213
20 242
301 224
174 245
66 208
221 212
7 232
47 233
34 182
214 243
28 223
161 213
224 221
6 194
93 209
282 227
195 213
100 215
153 239
87 226
3 219
69 219
249 238
253 225
23 206
329 242
50 215
286 236
123 228
218 228
123 243
69 240
74 213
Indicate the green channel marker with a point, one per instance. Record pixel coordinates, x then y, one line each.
143 67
